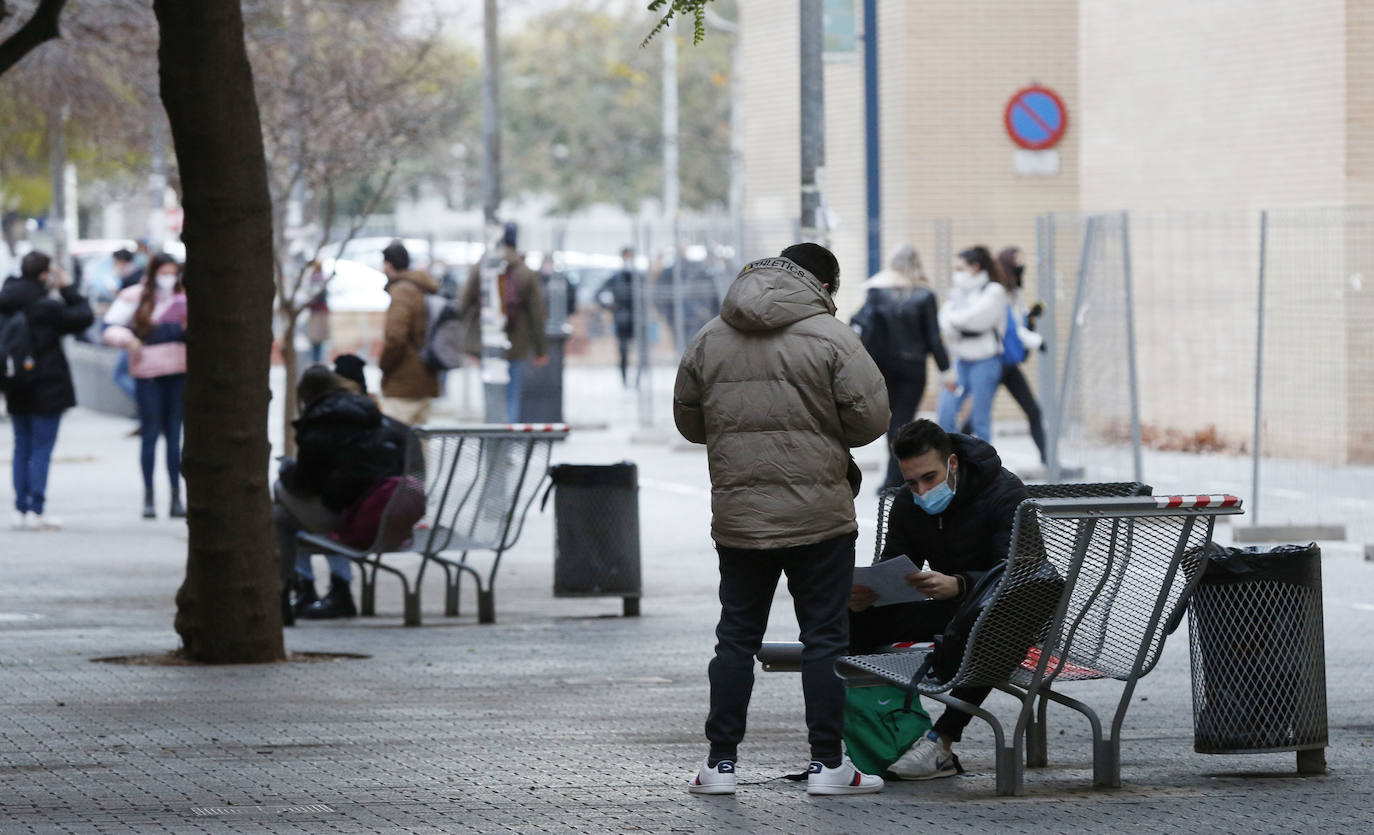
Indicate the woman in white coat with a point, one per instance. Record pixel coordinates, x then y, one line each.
973 322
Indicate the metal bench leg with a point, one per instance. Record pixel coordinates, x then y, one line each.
1037 738
1103 749
1107 763
486 605
453 581
1010 773
411 595
368 601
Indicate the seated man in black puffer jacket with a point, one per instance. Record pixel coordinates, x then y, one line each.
957 521
345 446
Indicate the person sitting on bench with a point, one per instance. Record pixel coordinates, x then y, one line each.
344 447
957 522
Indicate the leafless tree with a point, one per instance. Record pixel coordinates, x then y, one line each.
342 110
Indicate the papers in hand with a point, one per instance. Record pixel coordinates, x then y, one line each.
888 579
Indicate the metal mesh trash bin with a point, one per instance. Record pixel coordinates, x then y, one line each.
596 521
1258 654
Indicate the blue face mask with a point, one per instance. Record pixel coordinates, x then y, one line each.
936 499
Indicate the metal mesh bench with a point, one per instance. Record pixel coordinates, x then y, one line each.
1127 566
478 484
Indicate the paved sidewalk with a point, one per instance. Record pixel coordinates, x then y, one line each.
561 717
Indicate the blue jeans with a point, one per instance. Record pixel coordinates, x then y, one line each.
160 412
34 437
517 379
980 380
122 378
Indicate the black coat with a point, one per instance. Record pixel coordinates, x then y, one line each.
344 446
50 387
617 296
974 533
900 327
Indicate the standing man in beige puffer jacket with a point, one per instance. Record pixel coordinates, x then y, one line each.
780 390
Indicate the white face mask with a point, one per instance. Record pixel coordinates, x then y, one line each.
167 283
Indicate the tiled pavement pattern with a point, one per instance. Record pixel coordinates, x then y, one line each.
560 718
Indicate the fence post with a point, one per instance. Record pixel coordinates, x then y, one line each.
1071 350
1259 372
1130 347
644 384
1044 242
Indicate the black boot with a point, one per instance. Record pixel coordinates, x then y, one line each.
149 512
306 595
337 604
177 511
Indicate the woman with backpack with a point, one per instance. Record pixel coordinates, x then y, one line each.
149 321
1018 341
974 322
898 325
37 380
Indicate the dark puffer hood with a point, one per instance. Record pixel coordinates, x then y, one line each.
979 465
18 293
49 387
342 408
345 446
773 293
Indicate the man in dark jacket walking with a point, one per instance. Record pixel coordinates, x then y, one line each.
345 446
779 390
957 521
41 389
617 296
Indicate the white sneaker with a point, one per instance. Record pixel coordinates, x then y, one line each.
42 522
21 521
846 779
928 759
717 779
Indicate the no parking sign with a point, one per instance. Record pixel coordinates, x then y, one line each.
1036 118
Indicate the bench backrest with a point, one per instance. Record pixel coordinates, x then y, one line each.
478 482
1037 491
1119 569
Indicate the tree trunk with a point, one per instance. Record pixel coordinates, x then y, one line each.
228 608
291 363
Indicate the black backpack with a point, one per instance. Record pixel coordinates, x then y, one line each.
1026 614
17 353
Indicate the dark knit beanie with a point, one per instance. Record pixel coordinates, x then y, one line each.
350 367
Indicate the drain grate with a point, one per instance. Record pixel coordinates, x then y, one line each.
226 811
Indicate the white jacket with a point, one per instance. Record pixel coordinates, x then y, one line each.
974 319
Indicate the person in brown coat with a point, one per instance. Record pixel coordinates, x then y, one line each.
408 386
522 304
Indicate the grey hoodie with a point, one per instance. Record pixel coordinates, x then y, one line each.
779 390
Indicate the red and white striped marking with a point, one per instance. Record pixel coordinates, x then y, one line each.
1168 502
537 427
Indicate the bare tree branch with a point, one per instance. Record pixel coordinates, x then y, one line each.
41 27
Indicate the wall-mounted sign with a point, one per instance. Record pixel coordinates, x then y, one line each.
1036 118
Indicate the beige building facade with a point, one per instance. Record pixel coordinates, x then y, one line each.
1190 116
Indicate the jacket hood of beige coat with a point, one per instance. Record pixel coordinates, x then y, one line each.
773 293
